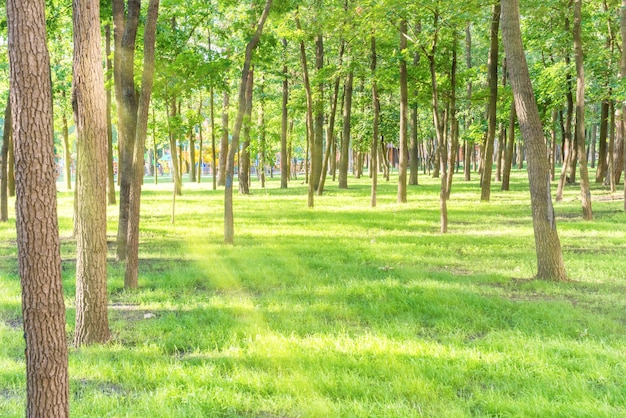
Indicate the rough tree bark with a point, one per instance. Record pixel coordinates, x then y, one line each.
547 245
89 104
244 154
39 257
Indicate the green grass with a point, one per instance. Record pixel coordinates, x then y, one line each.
345 310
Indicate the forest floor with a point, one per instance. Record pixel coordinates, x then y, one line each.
345 310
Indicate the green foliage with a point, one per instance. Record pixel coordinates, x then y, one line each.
345 310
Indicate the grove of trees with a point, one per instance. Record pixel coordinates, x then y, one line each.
305 88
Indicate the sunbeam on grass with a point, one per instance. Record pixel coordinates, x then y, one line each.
345 310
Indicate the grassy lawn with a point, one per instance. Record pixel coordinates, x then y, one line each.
345 310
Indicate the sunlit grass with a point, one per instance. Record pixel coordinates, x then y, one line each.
345 310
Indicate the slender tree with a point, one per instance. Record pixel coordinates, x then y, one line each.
492 107
38 246
404 107
580 113
547 245
132 234
229 225
6 138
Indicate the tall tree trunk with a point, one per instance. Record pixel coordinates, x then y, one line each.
622 21
6 138
309 117
224 142
89 103
375 123
262 137
284 159
492 64
602 142
568 143
318 137
229 224
611 168
547 245
38 246
404 107
125 35
109 77
508 155
454 127
132 251
11 168
468 148
330 130
213 145
585 190
201 144
552 159
67 151
244 155
175 166
344 157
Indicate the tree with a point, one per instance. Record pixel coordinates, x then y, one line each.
492 107
88 101
132 239
403 146
229 227
6 138
580 113
39 256
547 245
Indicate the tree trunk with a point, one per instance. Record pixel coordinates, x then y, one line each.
11 168
568 143
344 158
330 130
623 76
404 97
67 152
6 138
318 137
125 35
547 245
309 118
229 225
508 155
375 123
492 76
39 257
468 147
244 156
262 137
602 142
213 145
132 251
611 168
89 103
284 159
585 190
109 77
224 143
454 127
